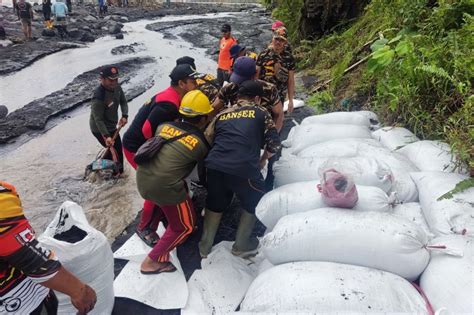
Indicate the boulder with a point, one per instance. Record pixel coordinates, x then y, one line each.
87 37
115 28
74 32
3 111
119 36
90 18
48 33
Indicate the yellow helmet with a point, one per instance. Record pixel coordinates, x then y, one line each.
195 103
10 204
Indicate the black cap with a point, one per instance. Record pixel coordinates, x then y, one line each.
186 60
182 72
235 50
110 72
250 88
226 28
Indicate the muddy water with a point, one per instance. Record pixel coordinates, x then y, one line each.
48 169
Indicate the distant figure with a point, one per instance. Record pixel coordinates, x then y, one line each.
102 8
47 14
60 12
224 61
104 112
3 35
29 272
25 15
69 5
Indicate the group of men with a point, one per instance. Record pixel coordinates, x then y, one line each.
196 122
59 10
218 125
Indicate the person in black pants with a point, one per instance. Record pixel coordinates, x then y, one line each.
47 13
104 112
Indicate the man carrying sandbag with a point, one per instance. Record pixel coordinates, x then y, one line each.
29 272
161 179
234 163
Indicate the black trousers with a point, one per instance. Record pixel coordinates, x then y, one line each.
222 75
49 304
117 146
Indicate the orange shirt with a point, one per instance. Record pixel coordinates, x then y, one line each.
225 61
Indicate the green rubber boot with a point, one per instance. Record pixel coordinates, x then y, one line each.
211 224
245 245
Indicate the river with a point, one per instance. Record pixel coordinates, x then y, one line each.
47 169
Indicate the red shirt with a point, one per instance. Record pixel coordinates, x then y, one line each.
225 61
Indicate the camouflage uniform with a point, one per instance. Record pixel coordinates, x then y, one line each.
275 68
270 98
209 86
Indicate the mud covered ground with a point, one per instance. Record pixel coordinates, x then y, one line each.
84 25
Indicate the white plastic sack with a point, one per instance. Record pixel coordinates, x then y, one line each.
412 212
364 170
394 138
446 216
370 239
296 104
400 166
221 284
430 155
346 118
304 196
90 259
370 115
448 280
163 291
330 288
306 135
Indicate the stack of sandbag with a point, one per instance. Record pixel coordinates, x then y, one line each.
85 252
304 196
371 239
366 171
450 215
306 287
400 166
448 279
394 138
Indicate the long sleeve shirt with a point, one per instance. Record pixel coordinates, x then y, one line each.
59 9
104 110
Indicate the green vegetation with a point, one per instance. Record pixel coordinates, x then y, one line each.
416 69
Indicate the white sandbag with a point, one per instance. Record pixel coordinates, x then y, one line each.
331 288
370 115
400 166
221 284
365 171
430 155
304 196
306 135
412 212
163 291
394 138
296 104
446 216
349 118
448 280
90 259
370 239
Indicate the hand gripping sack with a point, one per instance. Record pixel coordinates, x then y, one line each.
448 280
304 196
451 215
338 189
370 239
331 288
365 171
306 135
394 138
83 251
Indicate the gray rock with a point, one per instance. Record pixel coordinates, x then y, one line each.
74 32
104 28
86 29
87 37
119 36
48 33
90 18
72 20
123 19
115 29
3 111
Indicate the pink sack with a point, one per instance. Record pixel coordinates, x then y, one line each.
338 190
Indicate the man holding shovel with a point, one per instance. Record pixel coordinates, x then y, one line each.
104 112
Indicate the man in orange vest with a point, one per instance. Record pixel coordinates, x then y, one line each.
224 62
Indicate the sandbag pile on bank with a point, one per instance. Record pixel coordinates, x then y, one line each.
318 256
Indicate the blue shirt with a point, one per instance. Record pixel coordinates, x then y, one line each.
59 9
